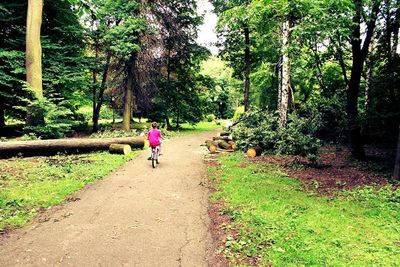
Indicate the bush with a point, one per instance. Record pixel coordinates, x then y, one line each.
327 118
51 120
210 117
238 112
259 128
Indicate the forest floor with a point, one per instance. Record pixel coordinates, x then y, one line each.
287 211
136 216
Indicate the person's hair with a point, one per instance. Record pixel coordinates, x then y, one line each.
154 124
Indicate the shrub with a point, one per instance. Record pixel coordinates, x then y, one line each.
260 128
238 112
51 120
327 118
210 117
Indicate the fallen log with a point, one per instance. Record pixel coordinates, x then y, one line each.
224 145
224 134
254 152
212 146
120 149
224 138
73 145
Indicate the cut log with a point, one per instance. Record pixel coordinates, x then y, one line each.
224 134
224 138
120 149
233 145
224 145
212 146
254 152
73 145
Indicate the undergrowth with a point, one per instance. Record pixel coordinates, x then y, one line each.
276 222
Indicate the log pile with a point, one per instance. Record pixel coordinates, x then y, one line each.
224 143
221 143
74 145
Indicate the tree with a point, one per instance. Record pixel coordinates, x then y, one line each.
396 174
114 36
33 47
359 55
234 28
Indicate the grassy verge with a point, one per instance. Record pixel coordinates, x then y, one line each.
28 185
275 221
200 127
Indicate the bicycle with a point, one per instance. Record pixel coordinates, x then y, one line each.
155 150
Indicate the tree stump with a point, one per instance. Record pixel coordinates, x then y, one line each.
254 152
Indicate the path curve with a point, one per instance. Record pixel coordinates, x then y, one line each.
136 216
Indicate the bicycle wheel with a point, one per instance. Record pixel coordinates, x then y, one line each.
153 157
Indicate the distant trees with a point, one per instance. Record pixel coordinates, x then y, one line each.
311 55
98 52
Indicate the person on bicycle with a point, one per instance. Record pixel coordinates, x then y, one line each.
154 136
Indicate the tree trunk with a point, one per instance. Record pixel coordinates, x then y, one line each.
50 147
169 126
368 82
100 99
2 115
127 114
285 88
395 26
247 67
33 47
278 71
396 174
359 54
94 88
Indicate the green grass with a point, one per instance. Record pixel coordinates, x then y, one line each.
30 184
284 225
200 127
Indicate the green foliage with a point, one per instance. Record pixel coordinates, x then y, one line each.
109 132
277 222
222 91
261 128
238 113
210 117
55 120
328 118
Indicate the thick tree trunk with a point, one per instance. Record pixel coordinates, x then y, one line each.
359 54
247 67
33 47
100 99
285 87
49 147
127 114
396 174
